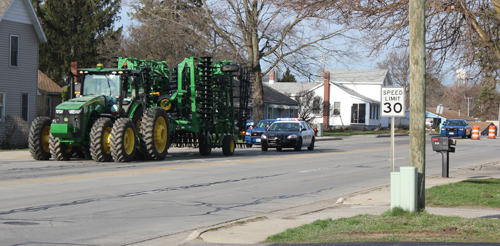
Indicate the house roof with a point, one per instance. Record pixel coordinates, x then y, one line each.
6 4
448 114
292 88
46 84
273 96
356 94
354 75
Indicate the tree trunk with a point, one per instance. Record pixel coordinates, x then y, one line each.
257 94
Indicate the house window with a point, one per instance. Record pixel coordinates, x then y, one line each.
316 106
358 113
336 108
374 111
24 109
14 51
2 106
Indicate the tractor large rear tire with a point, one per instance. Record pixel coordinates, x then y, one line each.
100 140
154 134
60 151
39 138
228 145
123 140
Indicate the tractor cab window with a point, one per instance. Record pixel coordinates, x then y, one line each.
100 84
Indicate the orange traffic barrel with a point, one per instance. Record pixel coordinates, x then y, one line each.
475 132
491 131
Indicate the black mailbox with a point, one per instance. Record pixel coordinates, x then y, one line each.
444 145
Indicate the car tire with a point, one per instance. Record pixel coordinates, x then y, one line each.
279 148
249 146
263 146
299 145
311 147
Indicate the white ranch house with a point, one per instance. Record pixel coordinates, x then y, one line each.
353 95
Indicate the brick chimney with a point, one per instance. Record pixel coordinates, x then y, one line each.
271 77
326 101
74 69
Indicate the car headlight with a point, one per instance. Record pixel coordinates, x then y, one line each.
247 133
264 136
293 136
74 111
59 111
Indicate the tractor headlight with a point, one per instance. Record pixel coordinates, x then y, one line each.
59 111
75 111
293 136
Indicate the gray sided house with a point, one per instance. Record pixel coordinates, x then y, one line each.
20 34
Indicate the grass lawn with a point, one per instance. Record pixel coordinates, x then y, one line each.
399 225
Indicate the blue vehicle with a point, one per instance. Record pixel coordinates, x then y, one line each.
252 136
456 128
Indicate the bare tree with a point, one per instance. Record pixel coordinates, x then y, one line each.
266 33
398 64
310 105
462 93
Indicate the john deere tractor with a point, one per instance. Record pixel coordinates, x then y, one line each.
133 110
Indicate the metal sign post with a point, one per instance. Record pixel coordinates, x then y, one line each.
393 105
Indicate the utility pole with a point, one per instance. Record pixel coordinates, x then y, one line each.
468 104
417 95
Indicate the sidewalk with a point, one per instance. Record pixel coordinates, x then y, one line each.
376 201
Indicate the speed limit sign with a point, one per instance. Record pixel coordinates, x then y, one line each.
392 102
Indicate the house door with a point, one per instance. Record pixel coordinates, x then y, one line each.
358 112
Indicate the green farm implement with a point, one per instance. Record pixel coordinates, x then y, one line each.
141 108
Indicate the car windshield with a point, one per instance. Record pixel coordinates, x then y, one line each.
263 124
100 84
455 123
285 126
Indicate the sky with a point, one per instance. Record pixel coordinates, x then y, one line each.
363 63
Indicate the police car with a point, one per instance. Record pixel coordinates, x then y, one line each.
252 136
288 133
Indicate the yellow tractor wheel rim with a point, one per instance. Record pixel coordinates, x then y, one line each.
106 140
231 147
129 141
46 138
164 105
160 134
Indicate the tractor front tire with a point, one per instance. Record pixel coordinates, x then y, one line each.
228 145
154 134
123 140
60 151
100 140
39 138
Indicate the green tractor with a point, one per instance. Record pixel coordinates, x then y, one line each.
132 111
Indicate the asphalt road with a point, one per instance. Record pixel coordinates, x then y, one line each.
81 202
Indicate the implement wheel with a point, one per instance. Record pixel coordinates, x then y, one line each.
100 140
123 140
154 134
205 145
60 151
39 138
228 145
